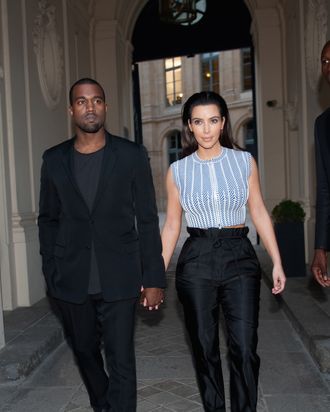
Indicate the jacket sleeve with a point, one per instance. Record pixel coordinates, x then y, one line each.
148 223
48 219
322 222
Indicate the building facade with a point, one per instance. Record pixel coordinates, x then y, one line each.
166 83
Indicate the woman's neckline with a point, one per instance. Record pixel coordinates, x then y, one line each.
212 159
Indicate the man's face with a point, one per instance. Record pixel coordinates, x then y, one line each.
88 108
325 63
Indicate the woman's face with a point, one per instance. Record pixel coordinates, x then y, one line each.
206 124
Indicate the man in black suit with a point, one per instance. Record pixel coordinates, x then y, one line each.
100 246
322 160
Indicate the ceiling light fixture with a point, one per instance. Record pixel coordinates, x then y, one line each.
185 12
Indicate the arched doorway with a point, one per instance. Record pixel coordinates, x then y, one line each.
238 23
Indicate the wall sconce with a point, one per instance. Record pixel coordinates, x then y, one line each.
271 103
290 111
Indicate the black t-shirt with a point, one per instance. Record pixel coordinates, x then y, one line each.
87 169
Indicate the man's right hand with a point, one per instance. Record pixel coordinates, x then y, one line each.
319 267
151 298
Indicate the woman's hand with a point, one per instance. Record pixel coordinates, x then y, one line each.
279 279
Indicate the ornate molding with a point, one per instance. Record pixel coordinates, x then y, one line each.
49 53
24 220
315 37
84 8
291 114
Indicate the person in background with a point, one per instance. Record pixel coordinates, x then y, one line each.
217 266
319 266
95 258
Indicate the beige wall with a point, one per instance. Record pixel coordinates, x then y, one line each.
43 50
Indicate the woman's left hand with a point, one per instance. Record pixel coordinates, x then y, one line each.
279 280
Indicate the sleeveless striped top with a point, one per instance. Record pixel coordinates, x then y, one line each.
213 193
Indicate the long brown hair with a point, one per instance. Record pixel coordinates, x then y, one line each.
189 143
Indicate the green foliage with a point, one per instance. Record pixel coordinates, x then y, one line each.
288 211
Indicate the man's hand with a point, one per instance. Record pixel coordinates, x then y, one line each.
151 298
319 267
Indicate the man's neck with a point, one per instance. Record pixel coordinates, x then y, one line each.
89 142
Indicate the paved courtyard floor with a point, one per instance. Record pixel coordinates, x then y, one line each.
290 380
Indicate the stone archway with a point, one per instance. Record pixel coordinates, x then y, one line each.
267 35
113 54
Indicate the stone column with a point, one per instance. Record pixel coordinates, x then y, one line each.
266 31
3 226
113 70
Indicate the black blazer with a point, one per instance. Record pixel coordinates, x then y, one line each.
322 160
123 224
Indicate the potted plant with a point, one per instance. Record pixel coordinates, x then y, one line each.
288 217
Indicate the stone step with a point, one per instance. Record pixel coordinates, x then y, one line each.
31 334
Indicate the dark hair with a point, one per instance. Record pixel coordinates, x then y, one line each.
85 80
189 143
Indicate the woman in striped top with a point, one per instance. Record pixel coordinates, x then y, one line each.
212 183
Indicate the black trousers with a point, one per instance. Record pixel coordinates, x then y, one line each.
85 325
219 268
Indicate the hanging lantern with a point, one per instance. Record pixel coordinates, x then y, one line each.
178 11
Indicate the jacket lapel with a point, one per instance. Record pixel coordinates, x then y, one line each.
67 160
108 164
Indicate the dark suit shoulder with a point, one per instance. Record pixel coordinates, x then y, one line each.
54 150
122 142
126 146
323 117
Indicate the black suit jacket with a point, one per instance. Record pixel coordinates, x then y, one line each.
322 160
123 224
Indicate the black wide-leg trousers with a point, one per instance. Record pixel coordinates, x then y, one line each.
85 325
219 268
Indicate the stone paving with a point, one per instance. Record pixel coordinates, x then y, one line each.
290 378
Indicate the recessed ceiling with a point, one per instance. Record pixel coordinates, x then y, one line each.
224 26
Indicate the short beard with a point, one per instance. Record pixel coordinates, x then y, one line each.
90 128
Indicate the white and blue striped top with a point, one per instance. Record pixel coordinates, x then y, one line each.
214 193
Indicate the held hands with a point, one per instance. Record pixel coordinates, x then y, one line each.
151 298
319 268
279 280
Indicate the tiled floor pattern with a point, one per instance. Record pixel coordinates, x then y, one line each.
289 380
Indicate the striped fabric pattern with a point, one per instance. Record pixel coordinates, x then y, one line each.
213 193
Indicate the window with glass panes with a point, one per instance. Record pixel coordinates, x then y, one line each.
210 72
250 138
174 147
173 80
246 69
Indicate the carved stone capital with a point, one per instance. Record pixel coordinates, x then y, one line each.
49 53
315 37
291 114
